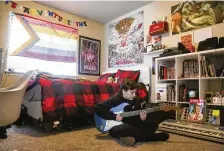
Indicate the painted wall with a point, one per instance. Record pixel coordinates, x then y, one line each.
93 29
153 11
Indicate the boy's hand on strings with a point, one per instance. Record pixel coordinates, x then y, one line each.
143 115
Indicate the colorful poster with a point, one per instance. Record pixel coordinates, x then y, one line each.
89 56
196 110
126 41
187 40
191 15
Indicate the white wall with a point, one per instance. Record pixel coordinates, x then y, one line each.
153 11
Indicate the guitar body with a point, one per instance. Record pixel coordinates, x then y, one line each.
103 125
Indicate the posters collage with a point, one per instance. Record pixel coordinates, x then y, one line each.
126 36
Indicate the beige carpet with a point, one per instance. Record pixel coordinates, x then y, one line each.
26 138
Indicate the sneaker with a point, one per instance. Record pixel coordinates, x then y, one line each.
162 136
159 137
128 140
3 133
3 136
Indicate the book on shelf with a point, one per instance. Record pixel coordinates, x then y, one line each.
213 116
171 93
166 72
212 66
183 97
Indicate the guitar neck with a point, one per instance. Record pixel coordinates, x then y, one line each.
137 112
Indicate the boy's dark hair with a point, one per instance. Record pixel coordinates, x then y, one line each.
129 84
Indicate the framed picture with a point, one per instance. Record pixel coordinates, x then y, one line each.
149 48
89 56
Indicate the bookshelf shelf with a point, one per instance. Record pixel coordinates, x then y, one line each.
211 104
170 58
188 56
167 80
212 78
212 52
199 64
183 79
166 102
156 51
183 102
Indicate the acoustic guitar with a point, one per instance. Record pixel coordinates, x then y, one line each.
104 126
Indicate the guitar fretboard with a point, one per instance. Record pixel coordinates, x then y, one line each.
137 112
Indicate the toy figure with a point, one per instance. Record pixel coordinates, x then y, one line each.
110 80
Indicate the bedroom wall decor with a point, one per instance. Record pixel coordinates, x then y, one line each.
187 39
89 56
43 43
126 41
191 15
49 13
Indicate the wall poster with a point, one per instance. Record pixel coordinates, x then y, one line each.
126 41
89 56
191 15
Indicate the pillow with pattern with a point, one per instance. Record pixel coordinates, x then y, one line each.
104 77
123 74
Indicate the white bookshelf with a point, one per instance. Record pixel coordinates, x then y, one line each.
203 84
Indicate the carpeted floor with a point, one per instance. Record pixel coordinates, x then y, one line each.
26 138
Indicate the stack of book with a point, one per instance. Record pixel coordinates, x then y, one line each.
166 93
182 93
166 72
212 66
171 93
191 69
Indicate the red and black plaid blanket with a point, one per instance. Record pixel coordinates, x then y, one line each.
63 98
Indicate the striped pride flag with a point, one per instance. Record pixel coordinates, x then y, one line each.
47 41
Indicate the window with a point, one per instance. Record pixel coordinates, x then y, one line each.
37 44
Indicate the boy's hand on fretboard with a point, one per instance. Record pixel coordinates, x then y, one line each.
119 118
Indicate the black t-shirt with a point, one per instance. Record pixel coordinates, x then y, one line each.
103 109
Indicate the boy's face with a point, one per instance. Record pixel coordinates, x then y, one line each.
129 94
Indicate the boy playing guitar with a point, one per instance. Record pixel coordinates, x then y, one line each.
133 129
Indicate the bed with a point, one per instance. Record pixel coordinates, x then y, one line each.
49 98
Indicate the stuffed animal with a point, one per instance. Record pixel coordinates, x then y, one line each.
110 80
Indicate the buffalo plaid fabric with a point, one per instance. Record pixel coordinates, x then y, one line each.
123 74
73 99
104 77
62 98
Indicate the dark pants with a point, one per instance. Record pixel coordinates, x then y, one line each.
143 131
3 132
